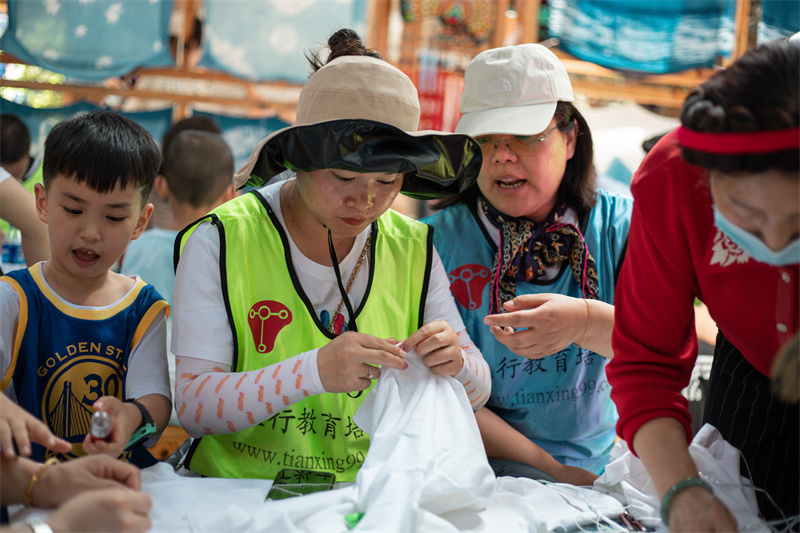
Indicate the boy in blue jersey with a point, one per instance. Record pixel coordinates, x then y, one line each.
76 337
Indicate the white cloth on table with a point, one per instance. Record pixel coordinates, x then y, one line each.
426 470
717 462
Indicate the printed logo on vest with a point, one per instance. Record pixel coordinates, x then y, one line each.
266 319
467 283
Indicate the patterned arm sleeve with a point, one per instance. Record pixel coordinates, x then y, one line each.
474 375
210 399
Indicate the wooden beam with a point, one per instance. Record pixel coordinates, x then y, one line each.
687 79
741 28
500 28
671 97
529 19
378 25
98 93
290 90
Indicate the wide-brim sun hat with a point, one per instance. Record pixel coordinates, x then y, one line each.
361 114
512 90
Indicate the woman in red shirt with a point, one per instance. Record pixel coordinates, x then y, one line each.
716 216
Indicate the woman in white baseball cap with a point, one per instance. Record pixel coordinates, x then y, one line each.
532 252
311 284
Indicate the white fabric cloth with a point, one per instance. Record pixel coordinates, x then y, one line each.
717 462
426 470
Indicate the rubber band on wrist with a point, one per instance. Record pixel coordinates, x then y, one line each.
35 477
588 321
678 487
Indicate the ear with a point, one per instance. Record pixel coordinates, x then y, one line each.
162 189
229 194
141 222
571 138
41 201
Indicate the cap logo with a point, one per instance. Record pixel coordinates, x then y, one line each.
497 86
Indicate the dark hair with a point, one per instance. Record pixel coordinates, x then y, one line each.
101 149
344 42
577 187
198 167
15 139
758 92
197 122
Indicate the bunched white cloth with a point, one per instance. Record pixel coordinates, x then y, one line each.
718 463
426 470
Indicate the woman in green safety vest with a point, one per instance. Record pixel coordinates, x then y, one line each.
289 299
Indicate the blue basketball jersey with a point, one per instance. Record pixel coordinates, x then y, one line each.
65 358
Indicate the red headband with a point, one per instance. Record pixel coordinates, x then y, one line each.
751 142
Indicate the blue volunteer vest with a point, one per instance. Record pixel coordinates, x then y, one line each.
65 358
560 402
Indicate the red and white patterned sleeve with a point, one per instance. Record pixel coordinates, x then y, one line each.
210 399
474 375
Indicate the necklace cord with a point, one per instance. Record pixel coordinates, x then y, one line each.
345 297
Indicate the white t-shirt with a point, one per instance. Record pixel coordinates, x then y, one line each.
197 328
147 362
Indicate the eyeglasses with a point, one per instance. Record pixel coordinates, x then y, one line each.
519 144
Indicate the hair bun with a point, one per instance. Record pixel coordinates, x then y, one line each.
345 39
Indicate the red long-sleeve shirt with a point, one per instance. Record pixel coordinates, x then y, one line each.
676 253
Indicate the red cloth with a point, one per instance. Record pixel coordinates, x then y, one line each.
675 253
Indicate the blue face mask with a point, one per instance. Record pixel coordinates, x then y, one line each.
755 247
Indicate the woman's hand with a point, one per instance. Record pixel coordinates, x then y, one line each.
350 361
696 509
18 425
574 475
553 321
61 482
125 419
437 344
121 510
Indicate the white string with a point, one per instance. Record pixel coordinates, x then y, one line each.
600 520
788 523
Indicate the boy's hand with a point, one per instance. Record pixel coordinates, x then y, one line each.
350 361
125 419
18 425
437 345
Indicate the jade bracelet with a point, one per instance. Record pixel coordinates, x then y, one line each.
673 491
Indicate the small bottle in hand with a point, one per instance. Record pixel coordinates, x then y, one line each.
101 425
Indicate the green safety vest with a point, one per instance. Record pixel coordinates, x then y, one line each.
272 321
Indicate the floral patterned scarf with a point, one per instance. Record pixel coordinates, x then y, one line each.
527 247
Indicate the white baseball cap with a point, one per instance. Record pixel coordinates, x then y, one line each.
512 90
